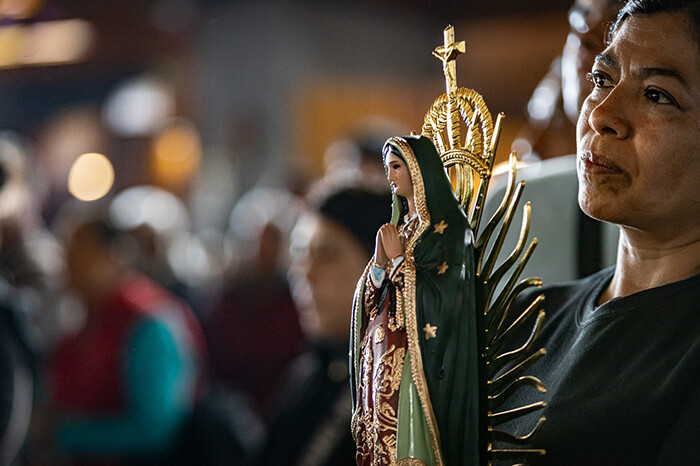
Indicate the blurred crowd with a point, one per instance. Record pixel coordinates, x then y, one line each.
126 337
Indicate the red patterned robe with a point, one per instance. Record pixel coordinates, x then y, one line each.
383 352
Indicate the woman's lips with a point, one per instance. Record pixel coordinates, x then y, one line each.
599 165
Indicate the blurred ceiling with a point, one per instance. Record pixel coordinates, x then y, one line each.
129 32
446 9
128 35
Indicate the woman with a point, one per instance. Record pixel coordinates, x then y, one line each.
414 363
332 240
623 345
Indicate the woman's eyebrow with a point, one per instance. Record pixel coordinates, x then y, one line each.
605 59
645 72
669 72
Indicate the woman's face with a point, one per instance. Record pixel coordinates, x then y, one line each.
398 175
327 261
639 131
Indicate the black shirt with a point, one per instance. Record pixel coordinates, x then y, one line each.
623 379
311 425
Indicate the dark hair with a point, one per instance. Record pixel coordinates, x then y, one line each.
105 232
108 233
360 211
649 7
403 202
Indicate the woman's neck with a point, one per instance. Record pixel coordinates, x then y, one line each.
645 262
411 206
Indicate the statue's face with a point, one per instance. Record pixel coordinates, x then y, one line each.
399 176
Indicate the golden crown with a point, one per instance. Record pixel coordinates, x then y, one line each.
459 111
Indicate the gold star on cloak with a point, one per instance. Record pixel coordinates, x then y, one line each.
442 268
430 331
440 227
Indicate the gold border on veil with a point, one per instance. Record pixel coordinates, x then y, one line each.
410 293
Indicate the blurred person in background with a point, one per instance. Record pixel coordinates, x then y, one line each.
17 376
555 104
256 303
168 251
547 146
330 246
26 291
31 258
356 156
121 390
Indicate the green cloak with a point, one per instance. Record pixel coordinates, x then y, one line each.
438 415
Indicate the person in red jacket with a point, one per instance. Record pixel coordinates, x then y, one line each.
122 389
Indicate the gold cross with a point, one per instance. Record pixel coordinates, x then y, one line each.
447 54
430 331
442 268
440 227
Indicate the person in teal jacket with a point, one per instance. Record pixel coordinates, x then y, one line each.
123 388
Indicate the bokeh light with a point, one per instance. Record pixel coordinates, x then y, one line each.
90 177
139 106
176 154
46 43
150 206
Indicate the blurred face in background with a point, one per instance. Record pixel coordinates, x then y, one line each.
589 21
327 262
91 266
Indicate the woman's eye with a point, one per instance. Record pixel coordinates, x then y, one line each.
659 97
599 79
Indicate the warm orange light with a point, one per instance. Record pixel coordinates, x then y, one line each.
176 154
20 9
90 177
45 43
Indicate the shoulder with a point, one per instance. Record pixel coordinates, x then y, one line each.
578 289
564 298
149 331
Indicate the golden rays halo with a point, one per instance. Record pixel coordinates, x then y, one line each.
462 129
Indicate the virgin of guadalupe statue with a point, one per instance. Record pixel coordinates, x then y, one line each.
433 361
414 377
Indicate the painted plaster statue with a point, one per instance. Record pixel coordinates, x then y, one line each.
418 287
430 316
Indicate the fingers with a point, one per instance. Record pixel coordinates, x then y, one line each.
388 244
379 252
391 240
388 229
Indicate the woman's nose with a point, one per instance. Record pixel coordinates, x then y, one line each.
609 116
311 270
